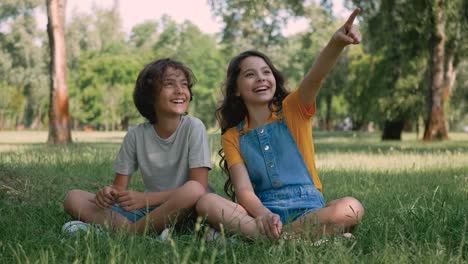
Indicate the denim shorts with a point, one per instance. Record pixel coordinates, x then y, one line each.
135 215
292 202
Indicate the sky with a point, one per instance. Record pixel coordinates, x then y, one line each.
197 11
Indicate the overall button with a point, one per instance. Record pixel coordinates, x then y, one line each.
266 147
262 130
277 184
270 165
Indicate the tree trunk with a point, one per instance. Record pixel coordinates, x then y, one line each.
392 130
435 124
2 118
450 75
37 123
125 123
59 116
393 126
328 115
28 111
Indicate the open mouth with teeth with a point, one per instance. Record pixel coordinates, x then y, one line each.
178 101
261 89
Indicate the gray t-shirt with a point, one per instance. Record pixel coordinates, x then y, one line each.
164 163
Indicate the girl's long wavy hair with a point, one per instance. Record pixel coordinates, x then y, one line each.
233 110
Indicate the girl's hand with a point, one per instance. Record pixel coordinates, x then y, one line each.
348 33
269 225
106 197
131 200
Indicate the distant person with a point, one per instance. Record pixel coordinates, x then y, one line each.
269 152
170 149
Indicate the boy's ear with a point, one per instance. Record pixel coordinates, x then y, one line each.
237 94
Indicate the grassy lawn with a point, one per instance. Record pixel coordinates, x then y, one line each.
415 195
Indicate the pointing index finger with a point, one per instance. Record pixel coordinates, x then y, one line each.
351 18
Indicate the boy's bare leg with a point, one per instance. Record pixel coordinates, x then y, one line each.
177 207
80 204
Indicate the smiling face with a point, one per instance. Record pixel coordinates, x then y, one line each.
256 83
174 94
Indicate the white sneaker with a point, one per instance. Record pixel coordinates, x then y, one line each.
164 234
73 227
212 235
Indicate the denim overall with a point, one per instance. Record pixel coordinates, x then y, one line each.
278 173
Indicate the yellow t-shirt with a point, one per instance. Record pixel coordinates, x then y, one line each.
299 121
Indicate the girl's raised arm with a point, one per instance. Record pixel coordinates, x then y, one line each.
345 35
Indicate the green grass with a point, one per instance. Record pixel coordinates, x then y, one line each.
415 195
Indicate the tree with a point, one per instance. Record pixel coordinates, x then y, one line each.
59 117
103 89
396 45
199 51
447 42
22 66
144 34
254 24
435 123
418 70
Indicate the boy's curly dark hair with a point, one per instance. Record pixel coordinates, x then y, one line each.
233 110
149 83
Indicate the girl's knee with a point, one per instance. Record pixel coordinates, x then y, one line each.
351 209
355 206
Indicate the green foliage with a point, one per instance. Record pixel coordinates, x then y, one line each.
103 88
398 35
362 90
199 51
22 66
254 24
401 56
143 33
383 79
13 8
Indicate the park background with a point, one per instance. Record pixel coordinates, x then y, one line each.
389 130
409 74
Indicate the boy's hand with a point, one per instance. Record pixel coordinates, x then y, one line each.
348 33
269 225
106 197
132 200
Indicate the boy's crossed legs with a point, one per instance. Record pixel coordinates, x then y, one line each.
80 204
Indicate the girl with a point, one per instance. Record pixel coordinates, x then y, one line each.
171 150
269 154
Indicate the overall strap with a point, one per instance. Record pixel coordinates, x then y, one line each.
240 126
279 114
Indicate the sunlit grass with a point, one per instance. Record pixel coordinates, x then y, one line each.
414 194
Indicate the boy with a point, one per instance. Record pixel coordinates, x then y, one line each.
171 150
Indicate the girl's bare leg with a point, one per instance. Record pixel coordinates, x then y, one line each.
338 216
234 218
